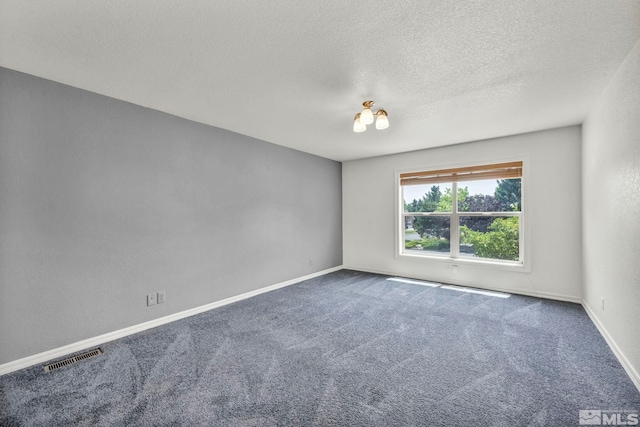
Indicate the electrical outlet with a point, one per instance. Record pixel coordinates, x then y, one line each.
602 303
151 299
161 297
310 263
454 268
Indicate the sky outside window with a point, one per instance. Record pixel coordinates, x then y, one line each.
416 192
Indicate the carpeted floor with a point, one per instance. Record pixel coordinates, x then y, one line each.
344 349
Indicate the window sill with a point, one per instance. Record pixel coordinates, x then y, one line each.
482 263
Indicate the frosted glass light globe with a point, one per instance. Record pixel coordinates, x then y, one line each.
366 117
358 126
382 121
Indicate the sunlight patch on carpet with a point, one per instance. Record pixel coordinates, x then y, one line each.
476 291
414 282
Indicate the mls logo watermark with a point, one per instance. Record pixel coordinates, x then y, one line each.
598 417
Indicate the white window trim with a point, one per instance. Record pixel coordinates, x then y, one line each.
523 266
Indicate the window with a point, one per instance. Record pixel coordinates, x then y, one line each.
470 213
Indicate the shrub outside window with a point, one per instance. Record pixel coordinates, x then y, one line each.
469 213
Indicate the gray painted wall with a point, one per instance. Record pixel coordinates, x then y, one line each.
102 202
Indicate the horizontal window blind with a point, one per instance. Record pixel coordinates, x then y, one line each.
469 173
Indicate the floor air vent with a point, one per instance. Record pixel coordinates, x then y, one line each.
70 361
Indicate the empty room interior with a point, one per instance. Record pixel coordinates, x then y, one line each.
320 213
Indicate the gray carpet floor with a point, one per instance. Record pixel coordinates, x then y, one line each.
344 349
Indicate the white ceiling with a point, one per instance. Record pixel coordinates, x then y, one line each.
295 73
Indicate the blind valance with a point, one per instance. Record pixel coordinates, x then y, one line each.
469 173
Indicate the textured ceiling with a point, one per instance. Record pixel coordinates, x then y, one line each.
295 73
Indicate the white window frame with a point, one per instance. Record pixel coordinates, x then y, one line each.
453 257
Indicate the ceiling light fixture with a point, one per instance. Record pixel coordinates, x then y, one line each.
364 118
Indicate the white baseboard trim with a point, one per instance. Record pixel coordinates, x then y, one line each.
628 367
448 281
110 336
